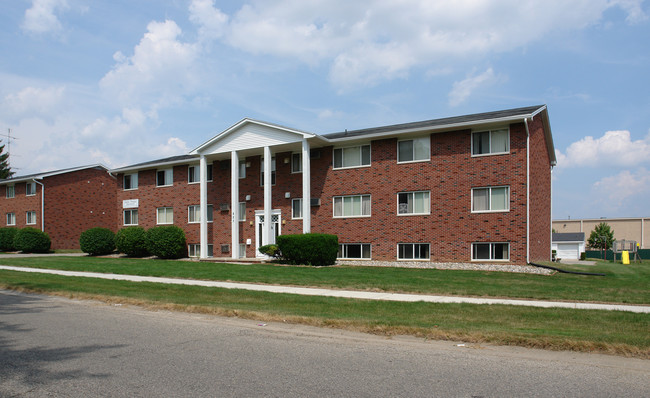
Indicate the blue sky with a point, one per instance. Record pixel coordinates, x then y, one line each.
124 81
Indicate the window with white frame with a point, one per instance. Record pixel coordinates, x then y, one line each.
242 211
413 202
165 215
272 171
354 251
194 250
490 142
491 251
194 213
30 218
194 174
414 150
130 181
11 191
131 217
242 168
11 218
353 156
413 251
296 162
490 199
165 178
296 209
30 189
352 206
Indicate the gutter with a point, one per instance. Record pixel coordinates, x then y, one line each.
528 191
42 203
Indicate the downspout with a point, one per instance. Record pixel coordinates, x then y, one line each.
527 192
42 204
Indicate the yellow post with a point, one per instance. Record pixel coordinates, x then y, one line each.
625 256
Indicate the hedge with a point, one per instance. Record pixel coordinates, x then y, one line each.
166 241
32 240
7 236
309 249
132 241
609 254
97 241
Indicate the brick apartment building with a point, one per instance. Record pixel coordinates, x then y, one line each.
467 188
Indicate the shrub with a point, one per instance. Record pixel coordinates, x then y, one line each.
166 241
132 241
97 241
270 250
32 240
309 249
7 236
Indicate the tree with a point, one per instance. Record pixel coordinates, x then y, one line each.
602 237
5 170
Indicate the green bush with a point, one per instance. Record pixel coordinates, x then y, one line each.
583 256
166 241
270 250
97 241
7 236
309 249
32 240
132 241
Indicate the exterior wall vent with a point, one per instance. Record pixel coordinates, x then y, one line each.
315 202
225 248
224 207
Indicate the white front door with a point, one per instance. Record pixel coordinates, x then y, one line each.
259 225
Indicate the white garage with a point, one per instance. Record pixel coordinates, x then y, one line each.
568 245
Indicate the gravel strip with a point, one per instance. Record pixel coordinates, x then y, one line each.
528 269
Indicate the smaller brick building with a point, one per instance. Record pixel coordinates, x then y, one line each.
62 203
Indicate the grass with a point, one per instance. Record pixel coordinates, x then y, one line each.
614 332
623 284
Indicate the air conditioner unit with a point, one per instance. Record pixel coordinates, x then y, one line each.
224 207
225 248
314 154
314 202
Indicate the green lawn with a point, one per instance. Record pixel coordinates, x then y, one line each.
623 284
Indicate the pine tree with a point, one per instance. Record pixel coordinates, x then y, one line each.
602 230
5 170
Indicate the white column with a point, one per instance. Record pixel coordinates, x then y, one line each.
203 182
234 203
266 231
306 188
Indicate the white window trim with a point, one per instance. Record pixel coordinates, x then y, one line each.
172 177
13 219
131 174
197 249
412 259
428 159
293 217
490 153
165 223
360 154
33 184
124 216
355 258
27 213
291 162
209 166
471 252
348 196
413 214
13 195
199 221
490 199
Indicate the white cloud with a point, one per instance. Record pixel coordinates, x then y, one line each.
33 100
464 88
625 193
211 21
41 18
614 148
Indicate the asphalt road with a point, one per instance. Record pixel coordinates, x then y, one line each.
57 347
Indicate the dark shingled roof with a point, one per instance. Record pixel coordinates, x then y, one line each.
48 173
438 122
568 237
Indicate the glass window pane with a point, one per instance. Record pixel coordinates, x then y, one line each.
242 211
421 202
366 205
351 157
134 217
209 173
338 158
338 207
365 155
480 200
403 203
191 174
404 151
481 251
356 205
499 199
421 148
501 251
499 141
169 215
242 169
296 163
481 143
354 251
366 251
297 208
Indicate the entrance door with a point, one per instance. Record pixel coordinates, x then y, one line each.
259 226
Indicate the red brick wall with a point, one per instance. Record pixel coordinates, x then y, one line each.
20 204
540 193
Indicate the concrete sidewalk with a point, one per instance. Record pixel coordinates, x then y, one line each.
308 291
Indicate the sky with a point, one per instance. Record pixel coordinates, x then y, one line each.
118 82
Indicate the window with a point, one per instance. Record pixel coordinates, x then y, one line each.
272 171
490 199
296 209
30 189
352 206
131 217
130 181
194 213
296 162
354 250
11 218
354 156
413 202
413 251
415 150
31 218
194 176
491 251
242 168
194 250
165 178
11 191
242 211
165 215
490 142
